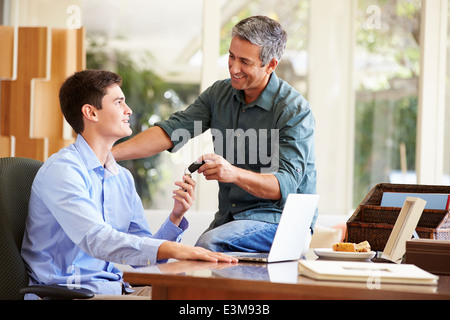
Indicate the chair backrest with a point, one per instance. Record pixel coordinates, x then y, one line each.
16 178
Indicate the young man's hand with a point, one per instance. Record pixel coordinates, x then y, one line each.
180 251
183 199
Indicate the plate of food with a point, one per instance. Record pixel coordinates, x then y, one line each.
347 251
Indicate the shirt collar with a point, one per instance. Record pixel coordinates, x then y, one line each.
266 98
111 165
90 159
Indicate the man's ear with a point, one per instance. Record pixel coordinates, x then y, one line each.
272 65
89 112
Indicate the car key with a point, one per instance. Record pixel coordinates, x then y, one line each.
195 166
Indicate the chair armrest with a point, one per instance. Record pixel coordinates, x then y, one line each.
56 292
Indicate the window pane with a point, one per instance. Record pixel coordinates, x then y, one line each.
387 62
150 44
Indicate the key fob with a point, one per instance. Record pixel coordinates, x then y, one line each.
195 165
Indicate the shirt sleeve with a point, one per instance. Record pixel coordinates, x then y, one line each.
171 232
139 224
191 122
67 196
296 150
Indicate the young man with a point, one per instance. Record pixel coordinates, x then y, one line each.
254 117
84 212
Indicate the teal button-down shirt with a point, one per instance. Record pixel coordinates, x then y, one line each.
273 134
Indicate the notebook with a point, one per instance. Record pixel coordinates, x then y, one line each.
293 233
371 273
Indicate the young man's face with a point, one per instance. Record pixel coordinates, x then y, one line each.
246 70
115 114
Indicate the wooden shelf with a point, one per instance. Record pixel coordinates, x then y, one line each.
7 52
29 105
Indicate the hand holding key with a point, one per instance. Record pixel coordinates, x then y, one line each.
183 198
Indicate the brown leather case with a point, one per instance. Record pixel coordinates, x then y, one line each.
430 255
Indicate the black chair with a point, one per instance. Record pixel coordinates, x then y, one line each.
16 178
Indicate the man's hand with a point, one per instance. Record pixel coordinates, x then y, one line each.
180 251
183 199
217 168
261 185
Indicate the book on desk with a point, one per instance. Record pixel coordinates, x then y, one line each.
364 272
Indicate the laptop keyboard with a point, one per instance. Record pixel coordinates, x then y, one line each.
254 255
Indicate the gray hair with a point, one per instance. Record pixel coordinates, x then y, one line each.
265 33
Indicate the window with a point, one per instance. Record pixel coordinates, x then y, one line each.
387 62
159 56
150 44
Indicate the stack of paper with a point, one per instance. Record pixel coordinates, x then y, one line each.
365 272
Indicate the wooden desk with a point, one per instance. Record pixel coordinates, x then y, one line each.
192 280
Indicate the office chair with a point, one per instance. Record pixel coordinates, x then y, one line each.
16 178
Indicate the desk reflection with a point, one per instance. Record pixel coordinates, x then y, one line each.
196 280
281 272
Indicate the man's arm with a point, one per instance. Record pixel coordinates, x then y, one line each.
146 144
260 185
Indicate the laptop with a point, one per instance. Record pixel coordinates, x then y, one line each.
293 232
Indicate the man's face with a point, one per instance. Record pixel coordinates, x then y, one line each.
246 70
115 114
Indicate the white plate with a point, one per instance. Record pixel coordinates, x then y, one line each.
341 255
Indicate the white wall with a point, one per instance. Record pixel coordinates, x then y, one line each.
331 94
431 117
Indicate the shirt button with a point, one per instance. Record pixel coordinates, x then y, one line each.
243 110
234 205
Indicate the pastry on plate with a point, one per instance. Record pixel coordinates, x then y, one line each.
352 247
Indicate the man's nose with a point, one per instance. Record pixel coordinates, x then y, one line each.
128 110
234 67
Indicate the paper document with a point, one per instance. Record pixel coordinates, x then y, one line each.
366 271
434 200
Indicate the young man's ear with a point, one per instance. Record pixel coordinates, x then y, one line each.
90 112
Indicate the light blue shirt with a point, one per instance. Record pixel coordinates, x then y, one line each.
83 218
